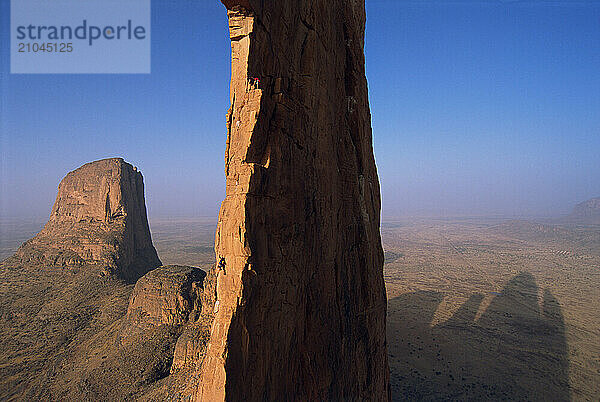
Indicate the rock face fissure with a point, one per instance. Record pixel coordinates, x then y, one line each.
99 218
300 299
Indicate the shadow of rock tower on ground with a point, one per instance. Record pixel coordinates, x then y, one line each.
516 350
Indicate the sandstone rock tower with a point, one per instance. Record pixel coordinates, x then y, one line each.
99 219
300 301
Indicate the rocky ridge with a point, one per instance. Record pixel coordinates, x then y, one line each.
586 213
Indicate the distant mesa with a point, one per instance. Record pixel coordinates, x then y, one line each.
586 213
99 218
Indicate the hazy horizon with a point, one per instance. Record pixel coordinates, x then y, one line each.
479 108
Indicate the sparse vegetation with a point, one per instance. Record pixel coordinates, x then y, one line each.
479 311
476 310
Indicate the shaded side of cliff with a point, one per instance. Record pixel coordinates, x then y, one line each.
300 296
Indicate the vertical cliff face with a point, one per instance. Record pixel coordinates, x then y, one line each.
99 218
300 309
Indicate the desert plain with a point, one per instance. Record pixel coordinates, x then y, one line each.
478 308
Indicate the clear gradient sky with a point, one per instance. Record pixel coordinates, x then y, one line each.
479 108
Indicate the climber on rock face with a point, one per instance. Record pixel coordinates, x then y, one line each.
221 263
254 83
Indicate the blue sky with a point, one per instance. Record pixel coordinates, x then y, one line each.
479 108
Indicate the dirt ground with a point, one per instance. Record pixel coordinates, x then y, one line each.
486 310
477 308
